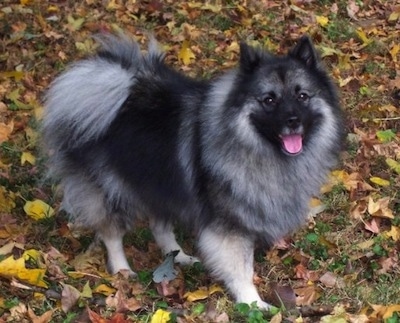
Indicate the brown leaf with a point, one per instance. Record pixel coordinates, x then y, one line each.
44 318
329 279
306 295
372 226
96 318
69 297
121 303
280 295
5 131
352 9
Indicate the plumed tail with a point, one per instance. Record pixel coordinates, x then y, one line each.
83 101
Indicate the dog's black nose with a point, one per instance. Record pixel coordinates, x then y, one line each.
293 122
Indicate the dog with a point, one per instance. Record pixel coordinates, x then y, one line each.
236 158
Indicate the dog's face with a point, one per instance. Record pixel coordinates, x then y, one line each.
286 99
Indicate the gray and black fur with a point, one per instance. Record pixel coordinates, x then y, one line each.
236 158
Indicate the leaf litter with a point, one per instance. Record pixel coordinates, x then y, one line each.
342 267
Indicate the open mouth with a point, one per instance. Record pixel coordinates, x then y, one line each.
292 144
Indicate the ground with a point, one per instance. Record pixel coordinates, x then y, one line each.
342 266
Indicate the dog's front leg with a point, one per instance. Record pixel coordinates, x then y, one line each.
229 256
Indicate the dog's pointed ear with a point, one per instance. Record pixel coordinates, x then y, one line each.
305 52
249 57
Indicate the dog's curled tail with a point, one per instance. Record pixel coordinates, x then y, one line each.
83 101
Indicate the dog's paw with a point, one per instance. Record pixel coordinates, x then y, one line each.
127 273
264 305
185 260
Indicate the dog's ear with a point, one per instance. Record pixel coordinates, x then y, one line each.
305 51
249 57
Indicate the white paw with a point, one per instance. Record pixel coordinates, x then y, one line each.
185 260
264 305
124 269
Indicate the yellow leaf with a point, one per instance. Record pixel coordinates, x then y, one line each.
161 316
394 16
394 233
215 289
87 291
197 295
213 8
186 54
394 165
394 51
38 210
27 157
365 244
361 34
202 293
17 75
32 254
10 268
6 200
373 207
104 289
379 181
322 20
75 24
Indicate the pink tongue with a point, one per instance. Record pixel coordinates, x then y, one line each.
292 143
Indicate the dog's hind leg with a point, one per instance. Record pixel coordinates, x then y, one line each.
164 235
116 259
230 258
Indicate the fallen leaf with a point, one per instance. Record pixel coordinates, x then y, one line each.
372 226
394 51
122 303
306 295
379 181
75 24
394 233
87 291
10 268
17 75
339 315
352 9
104 289
322 20
27 157
185 55
329 279
7 202
361 34
95 318
161 316
394 165
44 318
365 245
280 295
380 208
166 271
202 293
38 210
5 131
69 297
385 135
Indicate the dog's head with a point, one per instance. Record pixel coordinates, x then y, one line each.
288 99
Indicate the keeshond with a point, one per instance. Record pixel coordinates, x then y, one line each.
236 159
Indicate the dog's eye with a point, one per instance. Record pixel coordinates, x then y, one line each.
302 97
269 100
